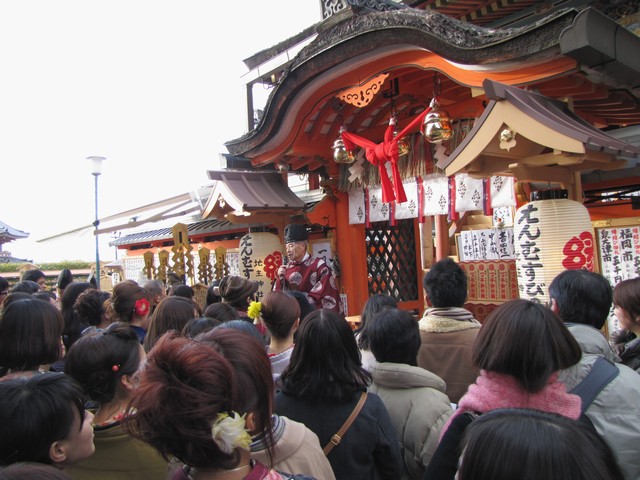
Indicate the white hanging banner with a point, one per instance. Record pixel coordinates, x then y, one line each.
356 207
469 193
378 211
436 195
408 209
502 194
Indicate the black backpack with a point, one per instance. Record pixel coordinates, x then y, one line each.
444 462
601 374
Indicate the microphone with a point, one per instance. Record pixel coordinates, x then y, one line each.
283 281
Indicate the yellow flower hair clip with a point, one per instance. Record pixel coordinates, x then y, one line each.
254 310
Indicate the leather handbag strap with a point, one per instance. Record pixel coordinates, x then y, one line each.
337 438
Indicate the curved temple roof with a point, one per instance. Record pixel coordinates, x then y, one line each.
410 46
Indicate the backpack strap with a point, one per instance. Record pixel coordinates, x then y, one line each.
601 374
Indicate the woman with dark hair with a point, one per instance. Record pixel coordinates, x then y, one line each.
26 286
322 386
238 292
130 304
30 336
523 444
277 441
46 295
519 350
72 325
221 311
14 297
89 308
184 291
374 304
65 278
196 326
187 406
280 313
246 327
43 420
626 341
35 275
172 313
104 363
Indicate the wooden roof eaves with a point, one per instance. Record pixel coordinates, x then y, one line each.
343 43
542 120
556 115
250 191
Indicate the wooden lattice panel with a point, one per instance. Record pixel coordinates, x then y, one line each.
391 260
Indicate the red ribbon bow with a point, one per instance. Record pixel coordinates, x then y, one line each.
379 154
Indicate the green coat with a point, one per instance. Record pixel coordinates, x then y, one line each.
120 457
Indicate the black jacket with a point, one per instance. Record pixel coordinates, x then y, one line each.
368 450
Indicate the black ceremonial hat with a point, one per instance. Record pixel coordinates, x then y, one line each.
295 232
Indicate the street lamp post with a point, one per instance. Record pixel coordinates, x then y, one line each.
96 170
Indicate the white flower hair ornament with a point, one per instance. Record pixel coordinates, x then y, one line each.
229 432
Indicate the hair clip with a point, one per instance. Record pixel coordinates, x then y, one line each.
141 307
115 368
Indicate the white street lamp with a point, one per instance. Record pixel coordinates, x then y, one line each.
96 170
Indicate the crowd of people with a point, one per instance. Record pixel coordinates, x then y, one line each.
145 383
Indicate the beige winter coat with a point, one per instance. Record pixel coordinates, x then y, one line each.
297 450
446 350
418 408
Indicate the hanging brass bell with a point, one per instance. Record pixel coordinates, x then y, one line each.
404 146
340 153
282 166
437 124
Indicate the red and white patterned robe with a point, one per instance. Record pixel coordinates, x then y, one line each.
313 277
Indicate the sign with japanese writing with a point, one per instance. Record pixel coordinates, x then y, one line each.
619 258
260 256
487 244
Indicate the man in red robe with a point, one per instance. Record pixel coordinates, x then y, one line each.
307 274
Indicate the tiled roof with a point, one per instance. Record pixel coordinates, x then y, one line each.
8 233
198 228
247 192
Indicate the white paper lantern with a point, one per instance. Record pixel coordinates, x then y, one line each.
260 257
551 235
